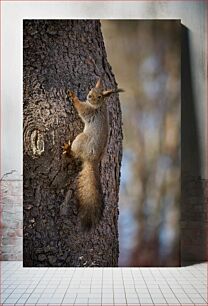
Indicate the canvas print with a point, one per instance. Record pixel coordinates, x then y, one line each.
101 143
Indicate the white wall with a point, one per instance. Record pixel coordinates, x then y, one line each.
191 13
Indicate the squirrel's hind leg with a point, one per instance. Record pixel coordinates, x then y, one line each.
79 146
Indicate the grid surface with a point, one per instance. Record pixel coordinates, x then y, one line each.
103 286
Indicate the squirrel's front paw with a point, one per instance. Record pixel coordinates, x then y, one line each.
66 148
71 94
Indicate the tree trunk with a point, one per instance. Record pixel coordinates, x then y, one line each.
60 55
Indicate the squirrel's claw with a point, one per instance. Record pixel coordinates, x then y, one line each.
66 148
70 94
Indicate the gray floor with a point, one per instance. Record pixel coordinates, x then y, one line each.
103 286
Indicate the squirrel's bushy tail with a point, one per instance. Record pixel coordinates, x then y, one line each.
89 195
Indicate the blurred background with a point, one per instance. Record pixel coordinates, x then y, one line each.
145 57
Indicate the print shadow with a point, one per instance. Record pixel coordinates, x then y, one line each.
193 235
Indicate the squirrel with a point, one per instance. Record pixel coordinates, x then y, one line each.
89 146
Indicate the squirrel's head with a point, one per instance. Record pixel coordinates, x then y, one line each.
97 95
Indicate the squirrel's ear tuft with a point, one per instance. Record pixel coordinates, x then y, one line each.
107 93
99 83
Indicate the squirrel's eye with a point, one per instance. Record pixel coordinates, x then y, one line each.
90 96
99 97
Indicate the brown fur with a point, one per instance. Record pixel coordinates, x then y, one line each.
89 146
89 194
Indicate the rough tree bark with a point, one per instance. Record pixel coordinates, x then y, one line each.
61 54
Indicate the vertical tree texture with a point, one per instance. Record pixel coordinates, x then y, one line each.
60 55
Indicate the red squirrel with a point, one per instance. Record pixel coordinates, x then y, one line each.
89 146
